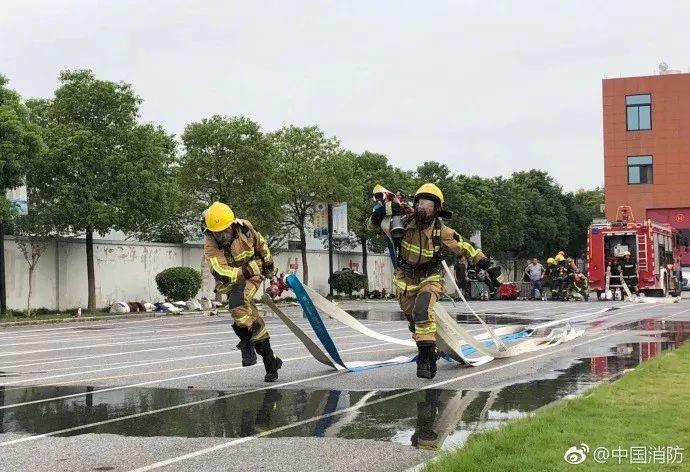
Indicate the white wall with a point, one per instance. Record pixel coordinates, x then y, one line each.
126 270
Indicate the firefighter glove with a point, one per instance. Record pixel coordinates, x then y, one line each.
270 270
251 269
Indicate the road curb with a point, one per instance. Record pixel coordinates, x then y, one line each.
153 314
106 317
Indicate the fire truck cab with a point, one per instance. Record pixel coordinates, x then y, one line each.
654 247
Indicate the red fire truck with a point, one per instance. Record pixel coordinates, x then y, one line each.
655 247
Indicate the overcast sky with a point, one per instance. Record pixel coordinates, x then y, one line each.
485 87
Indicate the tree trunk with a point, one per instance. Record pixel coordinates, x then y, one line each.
515 271
28 296
363 242
90 274
303 248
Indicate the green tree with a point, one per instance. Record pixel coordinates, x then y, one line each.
547 229
474 206
103 170
581 208
591 200
231 160
506 239
433 172
20 142
311 168
181 222
461 198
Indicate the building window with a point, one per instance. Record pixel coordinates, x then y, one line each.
639 112
640 170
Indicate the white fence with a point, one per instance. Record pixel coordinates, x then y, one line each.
126 271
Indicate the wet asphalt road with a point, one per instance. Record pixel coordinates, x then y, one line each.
168 393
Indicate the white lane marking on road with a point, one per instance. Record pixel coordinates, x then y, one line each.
164 339
183 405
284 332
479 371
222 329
111 354
140 384
298 344
134 363
104 322
159 340
593 313
82 335
134 340
161 321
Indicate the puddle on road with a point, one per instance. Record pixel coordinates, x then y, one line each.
430 419
499 319
463 318
374 315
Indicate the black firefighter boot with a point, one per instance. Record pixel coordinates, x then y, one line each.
271 362
426 359
246 345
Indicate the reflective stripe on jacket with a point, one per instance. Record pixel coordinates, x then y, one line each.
247 246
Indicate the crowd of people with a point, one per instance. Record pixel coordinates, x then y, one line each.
561 278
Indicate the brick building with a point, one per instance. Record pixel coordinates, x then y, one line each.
647 148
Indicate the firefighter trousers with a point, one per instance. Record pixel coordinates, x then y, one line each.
418 306
244 311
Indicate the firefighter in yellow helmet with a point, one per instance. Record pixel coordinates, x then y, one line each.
551 269
418 276
239 258
559 278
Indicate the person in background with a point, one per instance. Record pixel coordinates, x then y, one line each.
628 269
535 272
550 275
559 277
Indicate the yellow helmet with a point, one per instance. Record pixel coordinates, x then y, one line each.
219 217
550 260
378 188
430 190
627 253
559 257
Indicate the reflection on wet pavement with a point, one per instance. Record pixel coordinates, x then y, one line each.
375 315
499 319
429 418
490 318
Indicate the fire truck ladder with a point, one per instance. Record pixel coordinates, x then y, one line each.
642 252
613 280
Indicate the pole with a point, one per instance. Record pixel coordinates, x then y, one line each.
330 249
3 292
